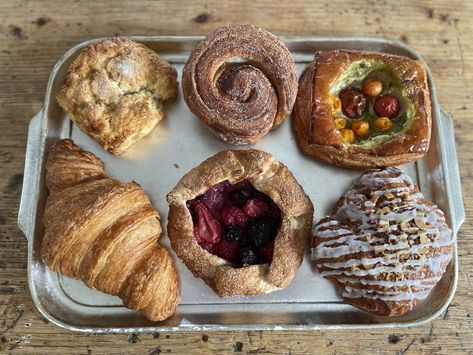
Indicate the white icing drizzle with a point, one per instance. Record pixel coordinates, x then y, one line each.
393 296
390 284
405 243
335 232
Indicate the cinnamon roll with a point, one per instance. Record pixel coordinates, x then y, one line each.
241 81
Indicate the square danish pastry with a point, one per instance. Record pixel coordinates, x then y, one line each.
363 109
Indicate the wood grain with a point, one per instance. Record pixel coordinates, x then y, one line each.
34 34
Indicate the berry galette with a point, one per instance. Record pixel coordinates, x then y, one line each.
241 222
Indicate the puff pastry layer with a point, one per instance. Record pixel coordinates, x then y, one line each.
315 110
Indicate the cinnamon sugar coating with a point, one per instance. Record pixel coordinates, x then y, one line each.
266 175
241 81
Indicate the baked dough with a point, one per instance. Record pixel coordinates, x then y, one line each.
271 178
115 90
105 233
315 109
385 245
241 81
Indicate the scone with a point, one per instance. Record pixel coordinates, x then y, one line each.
363 110
115 90
385 245
241 222
241 82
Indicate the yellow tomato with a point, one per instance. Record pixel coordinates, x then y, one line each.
383 124
340 123
348 135
360 127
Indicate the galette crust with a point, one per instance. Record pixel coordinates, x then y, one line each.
266 175
313 120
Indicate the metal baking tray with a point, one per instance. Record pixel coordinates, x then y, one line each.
179 143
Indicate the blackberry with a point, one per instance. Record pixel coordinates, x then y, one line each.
248 255
233 233
240 196
261 232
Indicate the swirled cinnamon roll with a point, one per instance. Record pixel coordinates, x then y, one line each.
241 81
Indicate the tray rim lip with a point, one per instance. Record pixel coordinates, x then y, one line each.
214 327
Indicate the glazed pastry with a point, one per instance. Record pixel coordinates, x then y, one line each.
241 222
105 233
241 81
115 90
363 110
385 245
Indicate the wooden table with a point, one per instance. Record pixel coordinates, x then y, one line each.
34 34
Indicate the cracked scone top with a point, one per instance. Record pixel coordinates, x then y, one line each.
385 244
115 90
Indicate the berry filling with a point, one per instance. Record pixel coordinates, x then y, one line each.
236 222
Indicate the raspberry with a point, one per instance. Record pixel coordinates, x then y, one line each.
226 250
234 215
256 208
214 198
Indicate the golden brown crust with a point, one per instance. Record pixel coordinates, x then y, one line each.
115 90
384 245
266 175
105 233
69 165
240 102
313 119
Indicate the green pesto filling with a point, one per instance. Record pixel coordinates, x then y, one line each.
354 77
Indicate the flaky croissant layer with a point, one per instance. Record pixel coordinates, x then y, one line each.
105 233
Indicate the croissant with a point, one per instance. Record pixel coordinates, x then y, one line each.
241 81
105 233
